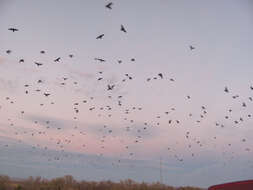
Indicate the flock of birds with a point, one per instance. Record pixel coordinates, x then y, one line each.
119 100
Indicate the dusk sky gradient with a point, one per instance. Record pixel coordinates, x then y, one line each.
158 37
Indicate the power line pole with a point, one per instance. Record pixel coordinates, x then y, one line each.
161 176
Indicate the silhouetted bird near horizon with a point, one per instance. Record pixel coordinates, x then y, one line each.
46 94
13 29
122 28
100 36
226 89
235 96
42 52
191 47
110 87
99 59
71 55
109 5
21 61
57 59
38 64
160 75
8 51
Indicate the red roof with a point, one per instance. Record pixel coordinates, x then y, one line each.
239 185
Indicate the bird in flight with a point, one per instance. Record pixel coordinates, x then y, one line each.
226 89
8 51
100 36
109 5
191 47
160 75
46 94
13 29
122 28
21 61
110 87
99 59
57 59
38 64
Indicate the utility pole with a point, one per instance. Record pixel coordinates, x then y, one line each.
161 175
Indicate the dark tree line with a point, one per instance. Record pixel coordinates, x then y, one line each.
69 183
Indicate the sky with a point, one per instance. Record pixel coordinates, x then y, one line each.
83 129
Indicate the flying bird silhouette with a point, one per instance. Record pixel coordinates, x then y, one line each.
191 47
122 28
160 75
100 36
13 29
38 64
99 59
57 59
109 5
46 94
110 87
8 51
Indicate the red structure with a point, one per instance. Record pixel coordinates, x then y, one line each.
240 185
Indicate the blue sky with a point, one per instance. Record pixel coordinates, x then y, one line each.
158 37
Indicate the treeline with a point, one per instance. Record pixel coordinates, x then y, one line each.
69 183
